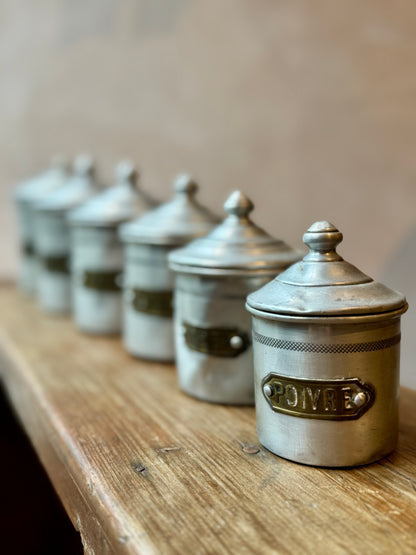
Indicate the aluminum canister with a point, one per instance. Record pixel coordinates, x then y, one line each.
97 252
148 282
52 241
26 195
212 328
326 356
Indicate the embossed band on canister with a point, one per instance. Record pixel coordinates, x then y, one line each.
97 255
326 342
148 282
214 274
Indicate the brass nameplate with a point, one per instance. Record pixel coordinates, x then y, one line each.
103 280
340 399
28 249
220 342
56 264
157 303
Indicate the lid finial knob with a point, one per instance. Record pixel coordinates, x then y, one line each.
322 238
60 162
238 204
84 165
127 173
184 183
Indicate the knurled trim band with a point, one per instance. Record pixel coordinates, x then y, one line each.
300 346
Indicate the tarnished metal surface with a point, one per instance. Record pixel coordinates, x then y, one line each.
52 233
26 196
120 203
97 252
97 268
326 359
236 247
148 325
175 222
323 284
212 330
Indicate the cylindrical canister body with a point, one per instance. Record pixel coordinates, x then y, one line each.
148 284
326 342
327 393
97 252
97 266
214 274
52 248
52 236
148 293
213 337
26 196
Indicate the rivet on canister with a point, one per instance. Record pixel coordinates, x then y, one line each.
236 342
360 399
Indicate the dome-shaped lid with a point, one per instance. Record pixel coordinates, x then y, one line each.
173 223
324 284
76 190
32 190
117 204
236 246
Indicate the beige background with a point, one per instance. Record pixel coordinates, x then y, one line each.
309 107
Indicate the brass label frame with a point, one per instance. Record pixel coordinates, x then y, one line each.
156 303
228 342
59 264
336 399
102 280
28 248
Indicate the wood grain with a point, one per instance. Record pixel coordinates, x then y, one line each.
142 468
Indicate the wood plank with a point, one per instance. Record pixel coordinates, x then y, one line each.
142 468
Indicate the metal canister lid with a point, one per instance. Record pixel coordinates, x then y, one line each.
236 246
119 203
35 188
75 190
324 284
173 223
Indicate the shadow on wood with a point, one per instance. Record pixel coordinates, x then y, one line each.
32 519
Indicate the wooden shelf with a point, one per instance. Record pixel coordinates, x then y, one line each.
142 468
